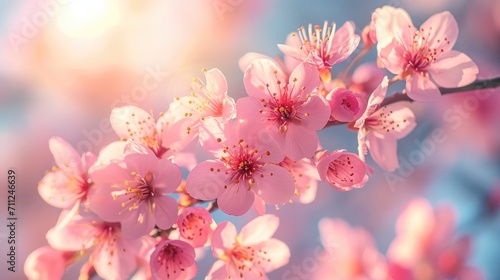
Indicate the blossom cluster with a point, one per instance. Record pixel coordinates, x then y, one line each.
131 211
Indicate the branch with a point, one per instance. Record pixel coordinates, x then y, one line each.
479 84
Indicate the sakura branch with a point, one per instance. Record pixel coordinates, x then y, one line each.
133 215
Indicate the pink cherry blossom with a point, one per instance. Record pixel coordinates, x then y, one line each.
165 137
424 56
425 246
68 183
46 263
173 259
342 170
250 254
306 179
245 152
346 106
323 47
350 253
112 255
194 226
134 191
380 128
291 110
205 100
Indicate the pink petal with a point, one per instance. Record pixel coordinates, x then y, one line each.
391 55
453 69
417 218
249 57
303 80
259 230
315 113
264 139
115 265
374 101
236 199
440 31
206 181
259 205
131 122
45 263
383 151
212 136
261 78
344 43
300 142
250 108
58 190
74 233
165 211
295 54
168 177
392 22
66 157
113 151
175 134
274 184
277 252
224 238
422 89
140 221
217 271
397 121
216 83
290 63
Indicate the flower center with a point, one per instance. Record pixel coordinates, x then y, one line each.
138 190
248 258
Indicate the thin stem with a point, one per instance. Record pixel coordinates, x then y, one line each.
477 85
342 76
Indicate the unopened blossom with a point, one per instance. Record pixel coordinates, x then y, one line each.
306 179
423 56
166 136
47 263
323 47
366 78
289 108
425 246
112 255
134 191
244 168
194 225
379 128
349 253
173 259
342 170
208 99
346 106
68 182
250 254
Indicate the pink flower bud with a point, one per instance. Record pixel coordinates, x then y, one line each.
346 106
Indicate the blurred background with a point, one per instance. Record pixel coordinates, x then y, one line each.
65 64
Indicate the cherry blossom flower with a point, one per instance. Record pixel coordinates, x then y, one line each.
205 100
366 78
380 128
112 255
323 47
346 106
166 136
342 170
306 179
68 183
350 253
46 263
134 191
194 226
424 56
425 247
244 167
291 110
250 254
173 259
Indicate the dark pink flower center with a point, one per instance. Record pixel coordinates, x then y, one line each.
170 259
341 171
192 225
421 54
250 259
384 121
137 190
